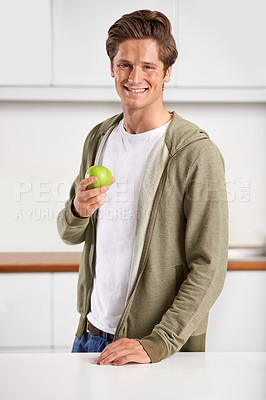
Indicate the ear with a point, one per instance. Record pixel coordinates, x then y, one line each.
112 71
168 74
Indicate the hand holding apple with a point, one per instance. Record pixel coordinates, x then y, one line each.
87 201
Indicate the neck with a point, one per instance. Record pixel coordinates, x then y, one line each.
143 120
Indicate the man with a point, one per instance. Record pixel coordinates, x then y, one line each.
155 253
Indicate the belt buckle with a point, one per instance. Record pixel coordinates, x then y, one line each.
87 327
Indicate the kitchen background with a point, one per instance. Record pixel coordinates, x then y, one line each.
55 86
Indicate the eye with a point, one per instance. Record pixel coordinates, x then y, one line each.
125 65
148 67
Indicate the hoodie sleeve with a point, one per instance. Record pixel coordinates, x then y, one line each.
72 229
206 249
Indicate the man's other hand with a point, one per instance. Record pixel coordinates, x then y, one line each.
123 351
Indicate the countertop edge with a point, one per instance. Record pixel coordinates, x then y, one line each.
22 262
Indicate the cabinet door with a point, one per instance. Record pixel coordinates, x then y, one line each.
24 310
80 33
222 43
66 317
237 319
25 42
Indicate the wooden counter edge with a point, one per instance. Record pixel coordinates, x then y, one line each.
39 261
21 262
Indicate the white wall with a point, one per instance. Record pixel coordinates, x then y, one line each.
41 152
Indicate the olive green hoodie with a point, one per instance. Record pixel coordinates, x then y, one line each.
181 244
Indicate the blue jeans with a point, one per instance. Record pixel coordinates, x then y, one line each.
89 343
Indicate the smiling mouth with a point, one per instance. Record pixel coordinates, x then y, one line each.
142 90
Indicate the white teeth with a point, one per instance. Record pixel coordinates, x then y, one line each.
136 90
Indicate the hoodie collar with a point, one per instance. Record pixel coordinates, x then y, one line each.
179 134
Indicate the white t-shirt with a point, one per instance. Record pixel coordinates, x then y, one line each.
125 154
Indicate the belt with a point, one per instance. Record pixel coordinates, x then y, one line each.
97 332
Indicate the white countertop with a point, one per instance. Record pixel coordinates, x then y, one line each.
183 376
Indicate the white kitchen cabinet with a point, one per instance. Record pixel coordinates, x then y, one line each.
65 316
54 50
222 44
24 310
25 42
80 32
38 313
237 319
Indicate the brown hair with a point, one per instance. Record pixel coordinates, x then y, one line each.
143 24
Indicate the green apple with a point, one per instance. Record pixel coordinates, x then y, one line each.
102 173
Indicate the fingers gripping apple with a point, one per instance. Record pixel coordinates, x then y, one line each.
91 192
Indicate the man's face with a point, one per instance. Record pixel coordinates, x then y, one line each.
139 74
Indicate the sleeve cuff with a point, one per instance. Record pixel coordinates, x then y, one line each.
71 219
154 346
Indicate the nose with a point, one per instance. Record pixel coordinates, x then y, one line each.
135 75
